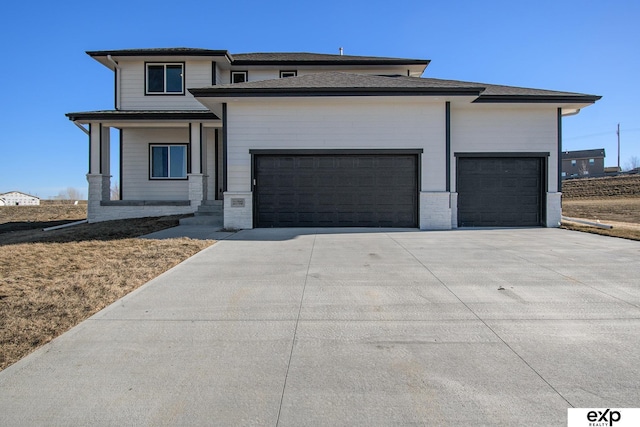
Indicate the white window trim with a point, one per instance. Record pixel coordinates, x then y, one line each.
169 145
293 73
244 73
164 64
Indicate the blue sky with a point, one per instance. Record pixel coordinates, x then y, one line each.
579 46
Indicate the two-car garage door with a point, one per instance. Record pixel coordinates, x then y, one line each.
358 189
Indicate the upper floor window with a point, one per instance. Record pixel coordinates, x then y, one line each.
573 162
165 78
239 76
592 161
290 73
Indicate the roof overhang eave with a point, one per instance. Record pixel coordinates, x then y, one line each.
141 117
102 56
538 99
318 92
321 62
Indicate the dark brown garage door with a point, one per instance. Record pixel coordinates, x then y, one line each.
500 191
336 190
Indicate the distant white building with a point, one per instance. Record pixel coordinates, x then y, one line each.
16 198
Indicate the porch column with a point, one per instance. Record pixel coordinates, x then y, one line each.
95 151
105 161
98 178
197 180
99 161
195 139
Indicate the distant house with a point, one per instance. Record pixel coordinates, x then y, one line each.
583 163
16 198
611 170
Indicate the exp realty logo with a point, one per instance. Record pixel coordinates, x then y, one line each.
603 417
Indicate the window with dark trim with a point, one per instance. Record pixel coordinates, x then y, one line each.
164 78
239 76
288 73
168 161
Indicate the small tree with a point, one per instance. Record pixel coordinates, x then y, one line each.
583 168
115 191
70 194
632 163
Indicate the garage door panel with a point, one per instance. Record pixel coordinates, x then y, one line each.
502 191
336 190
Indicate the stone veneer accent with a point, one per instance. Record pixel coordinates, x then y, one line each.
554 209
236 216
436 211
100 208
197 188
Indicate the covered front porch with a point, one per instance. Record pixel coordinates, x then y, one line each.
170 162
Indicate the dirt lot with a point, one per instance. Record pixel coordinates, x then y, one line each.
51 281
614 201
598 188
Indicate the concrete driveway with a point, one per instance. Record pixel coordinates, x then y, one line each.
353 327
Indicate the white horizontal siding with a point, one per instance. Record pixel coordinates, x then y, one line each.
132 86
336 123
136 184
505 128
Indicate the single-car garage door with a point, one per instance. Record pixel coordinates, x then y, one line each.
500 191
336 190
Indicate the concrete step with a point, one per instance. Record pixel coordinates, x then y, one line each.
202 220
212 203
208 214
210 209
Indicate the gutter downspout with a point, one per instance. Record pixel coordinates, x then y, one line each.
117 82
82 128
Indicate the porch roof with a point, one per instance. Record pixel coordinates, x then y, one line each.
142 115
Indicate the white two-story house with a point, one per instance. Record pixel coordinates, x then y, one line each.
302 139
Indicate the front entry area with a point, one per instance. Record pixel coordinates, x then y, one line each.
500 191
344 188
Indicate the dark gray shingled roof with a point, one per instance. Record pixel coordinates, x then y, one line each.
340 84
165 51
143 115
583 154
272 58
287 58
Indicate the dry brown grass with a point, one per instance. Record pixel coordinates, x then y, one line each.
14 218
618 230
50 281
611 209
